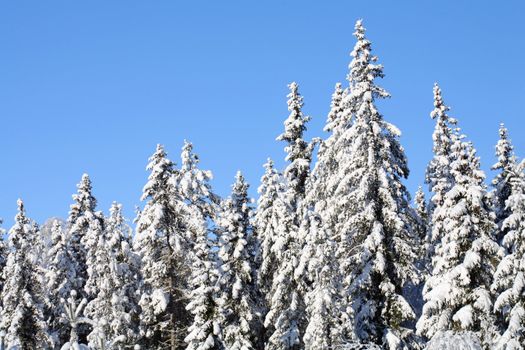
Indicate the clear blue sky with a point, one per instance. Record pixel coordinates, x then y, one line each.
93 86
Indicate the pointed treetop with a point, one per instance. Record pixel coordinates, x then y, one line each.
359 29
115 210
269 165
189 159
20 217
240 187
20 206
440 109
335 108
83 198
294 125
504 151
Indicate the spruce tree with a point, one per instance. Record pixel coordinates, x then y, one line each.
79 222
509 279
194 184
438 176
115 304
161 243
236 304
267 222
60 276
457 294
22 317
502 182
286 315
364 207
205 331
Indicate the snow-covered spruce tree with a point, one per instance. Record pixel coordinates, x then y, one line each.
204 333
22 317
126 273
115 270
509 279
323 328
285 319
457 294
81 215
267 222
236 305
364 207
160 242
502 182
194 184
60 278
438 176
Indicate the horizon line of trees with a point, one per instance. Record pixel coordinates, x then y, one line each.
332 256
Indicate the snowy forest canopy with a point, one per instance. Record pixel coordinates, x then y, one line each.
332 256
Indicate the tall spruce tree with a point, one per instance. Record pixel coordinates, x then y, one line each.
205 330
115 304
438 176
457 294
60 276
286 316
161 243
236 304
267 222
502 182
509 279
364 207
82 218
22 315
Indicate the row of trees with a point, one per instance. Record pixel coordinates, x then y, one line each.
333 256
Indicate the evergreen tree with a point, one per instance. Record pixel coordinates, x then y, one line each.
22 317
161 243
194 184
364 208
438 175
236 304
285 318
457 295
323 327
115 304
81 216
509 279
267 222
60 276
502 183
204 333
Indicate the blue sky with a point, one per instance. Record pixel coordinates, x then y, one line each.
93 86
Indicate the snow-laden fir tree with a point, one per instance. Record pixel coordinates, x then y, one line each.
194 184
60 278
438 176
457 294
236 304
161 243
364 207
285 319
502 182
267 221
22 317
509 279
205 330
323 328
79 222
114 306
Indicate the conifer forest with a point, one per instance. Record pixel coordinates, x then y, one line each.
335 253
